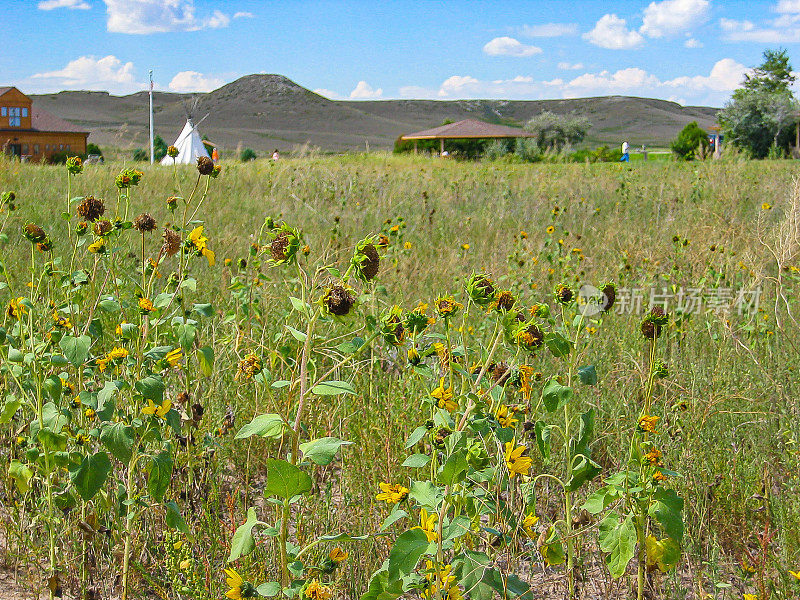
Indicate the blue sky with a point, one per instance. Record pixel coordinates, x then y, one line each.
690 51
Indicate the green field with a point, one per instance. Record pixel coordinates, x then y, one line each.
728 428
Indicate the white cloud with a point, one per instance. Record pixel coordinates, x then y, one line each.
71 4
783 29
547 30
669 17
611 32
788 6
192 81
243 15
712 89
364 91
565 66
508 46
159 16
693 43
89 73
330 94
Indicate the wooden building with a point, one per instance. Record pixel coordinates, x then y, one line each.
33 134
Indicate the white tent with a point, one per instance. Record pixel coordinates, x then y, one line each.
190 147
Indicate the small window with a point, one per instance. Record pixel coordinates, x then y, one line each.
61 146
67 147
14 121
24 148
36 148
3 111
24 112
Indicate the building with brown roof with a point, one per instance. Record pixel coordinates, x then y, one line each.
33 134
468 129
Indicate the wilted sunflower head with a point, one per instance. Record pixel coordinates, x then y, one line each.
503 301
529 336
103 228
205 166
366 261
446 306
480 288
172 151
564 294
91 208
144 223
46 245
499 372
172 242
609 291
338 300
540 310
74 165
33 233
653 322
392 328
285 244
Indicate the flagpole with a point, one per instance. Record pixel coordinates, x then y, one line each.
152 157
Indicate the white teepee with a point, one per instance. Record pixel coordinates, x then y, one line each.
190 146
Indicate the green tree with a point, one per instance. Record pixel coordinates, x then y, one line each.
759 116
93 149
555 132
689 140
159 148
247 154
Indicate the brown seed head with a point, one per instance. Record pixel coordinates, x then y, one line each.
91 208
172 242
33 232
277 248
372 262
102 227
205 166
339 301
144 223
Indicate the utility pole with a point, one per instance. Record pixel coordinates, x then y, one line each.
152 156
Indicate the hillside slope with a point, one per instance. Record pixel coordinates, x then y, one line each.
268 111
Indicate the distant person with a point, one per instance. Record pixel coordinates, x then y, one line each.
445 154
275 154
215 155
626 157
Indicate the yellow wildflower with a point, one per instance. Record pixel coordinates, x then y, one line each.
200 243
159 410
551 229
146 305
505 416
647 424
117 354
427 522
62 322
97 247
515 461
173 357
236 583
441 583
407 245
392 493
446 306
653 457
465 246
766 206
317 591
444 397
528 523
16 308
795 574
338 555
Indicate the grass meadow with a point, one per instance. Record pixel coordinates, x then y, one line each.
729 420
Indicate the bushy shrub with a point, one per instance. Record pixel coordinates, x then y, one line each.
690 141
247 155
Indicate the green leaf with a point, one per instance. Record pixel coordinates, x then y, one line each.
10 408
426 494
299 305
555 395
618 540
298 335
280 383
416 461
109 305
380 588
285 480
118 439
269 589
508 587
204 310
406 552
186 335
664 553
21 474
343 537
243 542
454 469
205 356
394 516
92 473
175 519
159 474
269 426
151 387
55 442
583 469
588 375
470 569
580 443
601 500
75 349
542 432
667 509
333 388
558 345
52 387
416 436
322 450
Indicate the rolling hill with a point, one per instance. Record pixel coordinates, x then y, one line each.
268 111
